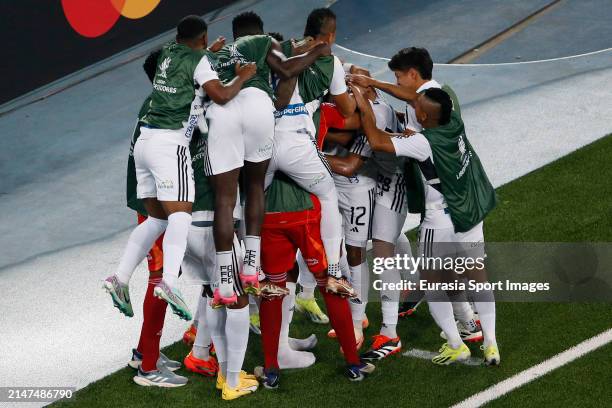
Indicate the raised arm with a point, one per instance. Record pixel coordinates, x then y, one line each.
222 93
379 140
289 67
392 89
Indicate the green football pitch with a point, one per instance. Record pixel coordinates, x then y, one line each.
557 203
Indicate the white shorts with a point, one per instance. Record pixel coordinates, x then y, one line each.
296 155
387 224
199 262
163 167
391 192
241 130
357 209
443 243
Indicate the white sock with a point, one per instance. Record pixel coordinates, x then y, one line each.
355 278
485 306
345 269
253 305
252 246
357 314
389 319
174 245
289 358
225 272
216 324
462 310
306 279
303 344
331 223
442 312
201 345
138 246
307 292
237 335
288 306
390 301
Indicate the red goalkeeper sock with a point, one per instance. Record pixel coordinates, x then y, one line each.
341 321
154 313
270 318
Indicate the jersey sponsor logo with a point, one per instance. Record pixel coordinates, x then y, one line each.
235 56
196 111
163 67
292 110
354 229
164 88
234 53
165 185
316 180
265 149
465 156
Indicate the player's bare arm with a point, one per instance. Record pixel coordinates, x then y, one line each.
346 166
284 91
379 139
288 67
285 87
217 44
342 138
222 93
395 90
346 104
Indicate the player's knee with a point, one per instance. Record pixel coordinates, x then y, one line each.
354 255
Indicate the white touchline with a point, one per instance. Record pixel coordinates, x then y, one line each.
536 371
486 64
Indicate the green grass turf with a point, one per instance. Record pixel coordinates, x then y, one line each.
568 200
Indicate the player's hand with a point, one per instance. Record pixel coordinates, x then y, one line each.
407 133
217 45
361 80
356 70
246 71
302 46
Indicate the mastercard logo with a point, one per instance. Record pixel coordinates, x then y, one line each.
93 18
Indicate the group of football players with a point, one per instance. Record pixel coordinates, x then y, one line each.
266 162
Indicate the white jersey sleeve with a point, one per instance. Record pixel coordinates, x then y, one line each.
385 116
415 146
338 84
204 72
361 147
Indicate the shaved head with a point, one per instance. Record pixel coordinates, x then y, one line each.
433 108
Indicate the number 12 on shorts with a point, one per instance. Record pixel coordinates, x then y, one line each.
357 214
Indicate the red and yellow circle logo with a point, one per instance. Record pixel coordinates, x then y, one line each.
93 18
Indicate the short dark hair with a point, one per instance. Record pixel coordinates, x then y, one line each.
191 27
247 23
440 97
150 64
277 36
413 57
316 20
